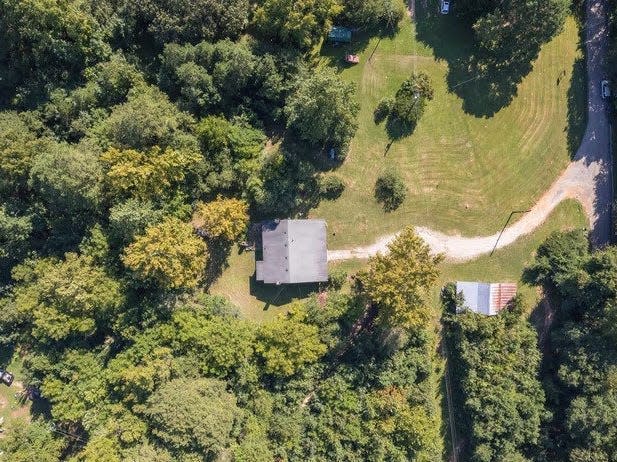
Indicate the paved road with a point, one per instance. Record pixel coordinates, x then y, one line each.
587 178
594 152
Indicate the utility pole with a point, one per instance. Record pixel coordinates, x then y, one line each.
504 227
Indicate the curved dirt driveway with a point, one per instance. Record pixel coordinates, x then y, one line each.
587 179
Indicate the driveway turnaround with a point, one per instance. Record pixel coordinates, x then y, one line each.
587 179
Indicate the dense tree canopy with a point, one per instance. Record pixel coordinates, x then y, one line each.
193 20
584 345
43 43
399 281
297 22
168 254
496 360
286 344
61 299
323 109
193 415
146 176
28 442
138 141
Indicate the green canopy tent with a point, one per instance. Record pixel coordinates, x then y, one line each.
339 34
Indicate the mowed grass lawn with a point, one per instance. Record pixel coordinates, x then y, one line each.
261 302
464 173
507 264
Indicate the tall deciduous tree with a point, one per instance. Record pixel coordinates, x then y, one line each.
288 343
44 42
194 20
193 415
31 442
231 153
60 299
301 23
374 14
323 108
147 119
18 147
70 203
400 281
147 176
168 254
14 235
498 361
222 218
410 99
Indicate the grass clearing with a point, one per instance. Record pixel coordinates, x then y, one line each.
260 302
464 173
12 408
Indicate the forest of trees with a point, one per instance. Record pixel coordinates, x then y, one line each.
582 361
134 370
139 140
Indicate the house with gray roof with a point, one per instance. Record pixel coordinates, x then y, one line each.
293 251
484 297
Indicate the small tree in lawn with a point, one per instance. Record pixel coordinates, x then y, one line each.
390 190
410 99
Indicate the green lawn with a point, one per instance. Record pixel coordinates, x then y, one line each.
507 264
10 407
260 302
257 301
464 173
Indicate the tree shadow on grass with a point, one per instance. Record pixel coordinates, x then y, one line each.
273 295
577 106
485 82
219 251
397 129
6 355
335 53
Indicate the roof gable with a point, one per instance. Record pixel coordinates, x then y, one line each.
294 251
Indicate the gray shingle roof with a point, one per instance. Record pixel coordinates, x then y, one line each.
294 251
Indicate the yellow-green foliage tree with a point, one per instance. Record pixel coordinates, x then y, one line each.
288 343
146 175
399 281
169 254
223 218
393 416
62 299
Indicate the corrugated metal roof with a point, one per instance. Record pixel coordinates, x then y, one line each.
486 298
294 251
501 294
